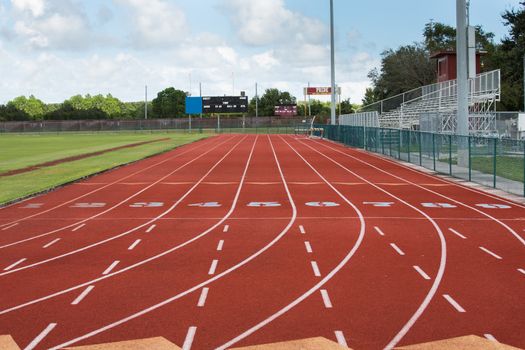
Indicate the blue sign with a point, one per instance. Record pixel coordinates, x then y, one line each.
193 105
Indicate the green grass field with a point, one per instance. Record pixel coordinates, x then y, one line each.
18 151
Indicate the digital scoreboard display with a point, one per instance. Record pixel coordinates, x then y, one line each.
285 110
225 104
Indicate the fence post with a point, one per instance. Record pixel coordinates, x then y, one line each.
469 158
382 139
434 150
494 161
409 144
450 154
420 149
399 144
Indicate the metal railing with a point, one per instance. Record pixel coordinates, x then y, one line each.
368 119
494 162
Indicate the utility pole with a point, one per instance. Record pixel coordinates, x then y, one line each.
200 94
462 78
332 54
146 102
256 102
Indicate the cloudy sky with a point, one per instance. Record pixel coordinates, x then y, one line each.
58 48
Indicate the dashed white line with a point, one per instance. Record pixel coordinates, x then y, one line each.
111 267
226 228
421 272
15 264
8 227
189 338
78 227
490 337
457 233
131 247
317 273
151 228
308 247
326 299
378 230
40 337
397 249
301 229
341 338
51 243
491 253
453 303
202 298
82 295
522 271
220 245
213 267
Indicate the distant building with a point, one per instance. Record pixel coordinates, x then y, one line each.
446 64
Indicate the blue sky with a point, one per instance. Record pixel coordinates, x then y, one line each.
58 48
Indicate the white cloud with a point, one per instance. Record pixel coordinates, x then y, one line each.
156 22
261 23
266 60
35 7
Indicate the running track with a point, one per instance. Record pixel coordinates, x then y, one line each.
239 240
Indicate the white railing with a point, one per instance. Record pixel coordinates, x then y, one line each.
368 119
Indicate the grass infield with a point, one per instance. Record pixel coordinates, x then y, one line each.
19 151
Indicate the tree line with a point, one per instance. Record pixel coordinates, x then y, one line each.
409 67
169 103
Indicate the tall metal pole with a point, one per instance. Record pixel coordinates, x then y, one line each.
332 54
146 102
200 93
309 104
523 83
462 66
256 102
463 88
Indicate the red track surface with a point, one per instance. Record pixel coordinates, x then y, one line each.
373 275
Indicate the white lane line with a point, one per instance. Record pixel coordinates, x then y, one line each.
301 229
491 253
378 230
202 298
317 273
457 233
111 267
421 272
308 247
326 299
40 337
490 337
220 245
397 249
453 303
213 267
78 227
82 295
151 228
189 338
8 227
341 338
522 271
15 264
51 243
226 228
131 247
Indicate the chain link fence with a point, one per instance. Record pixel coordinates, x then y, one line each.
490 161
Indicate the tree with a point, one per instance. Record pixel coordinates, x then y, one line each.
170 103
270 99
347 107
32 107
370 97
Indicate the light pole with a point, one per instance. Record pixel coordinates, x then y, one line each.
462 79
146 102
332 56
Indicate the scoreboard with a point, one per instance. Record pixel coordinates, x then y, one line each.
225 104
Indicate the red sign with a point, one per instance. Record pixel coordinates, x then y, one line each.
321 90
285 110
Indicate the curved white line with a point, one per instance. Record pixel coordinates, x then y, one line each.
514 233
103 187
206 282
323 281
140 263
442 262
166 212
399 164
